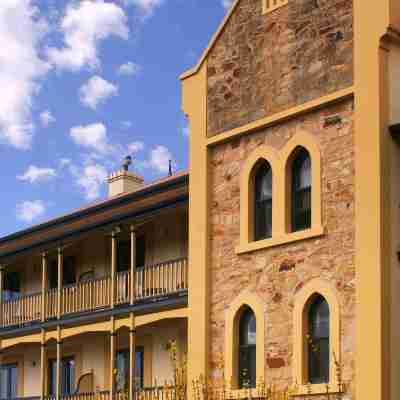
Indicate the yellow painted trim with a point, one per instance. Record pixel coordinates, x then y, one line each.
270 155
232 333
268 9
300 328
373 243
141 320
309 142
280 162
278 241
10 342
282 116
103 326
87 328
194 104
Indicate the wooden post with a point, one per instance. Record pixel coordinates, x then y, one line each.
60 281
2 270
132 357
132 331
113 266
43 365
58 366
133 265
112 357
1 353
44 285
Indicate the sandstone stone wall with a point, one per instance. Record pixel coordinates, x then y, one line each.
276 274
263 64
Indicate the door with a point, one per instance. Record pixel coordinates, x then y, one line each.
69 273
67 376
8 381
122 379
12 286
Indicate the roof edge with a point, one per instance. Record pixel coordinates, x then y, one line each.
163 186
192 71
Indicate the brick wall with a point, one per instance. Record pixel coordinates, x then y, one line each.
276 274
263 64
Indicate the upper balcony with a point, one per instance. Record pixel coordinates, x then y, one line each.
126 254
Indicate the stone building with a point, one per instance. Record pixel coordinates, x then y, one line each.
279 261
294 197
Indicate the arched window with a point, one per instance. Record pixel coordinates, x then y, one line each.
263 202
247 349
301 191
318 340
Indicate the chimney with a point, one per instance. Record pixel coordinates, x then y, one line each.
124 181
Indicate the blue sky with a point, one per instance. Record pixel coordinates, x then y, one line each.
84 83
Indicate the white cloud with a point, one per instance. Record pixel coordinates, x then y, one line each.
64 162
159 159
129 68
145 7
28 211
92 137
46 118
226 3
126 124
36 174
84 25
21 69
134 147
91 179
97 90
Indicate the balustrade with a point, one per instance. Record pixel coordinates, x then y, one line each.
155 281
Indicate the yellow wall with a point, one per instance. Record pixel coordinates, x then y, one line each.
92 352
194 106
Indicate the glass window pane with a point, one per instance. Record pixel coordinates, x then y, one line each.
13 381
318 341
139 371
247 349
301 191
263 202
4 383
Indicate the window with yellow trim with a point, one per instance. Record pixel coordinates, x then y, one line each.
262 201
280 194
316 337
301 190
272 5
247 375
317 340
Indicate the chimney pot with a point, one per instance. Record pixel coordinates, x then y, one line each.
123 181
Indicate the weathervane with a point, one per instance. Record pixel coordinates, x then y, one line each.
127 163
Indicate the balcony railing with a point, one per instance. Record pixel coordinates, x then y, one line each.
86 296
152 282
162 393
22 310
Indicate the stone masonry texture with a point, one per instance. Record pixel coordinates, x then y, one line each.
276 274
264 64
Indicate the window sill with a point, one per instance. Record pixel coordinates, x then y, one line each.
243 393
317 389
280 240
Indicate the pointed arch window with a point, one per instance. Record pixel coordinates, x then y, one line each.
263 202
301 190
318 340
247 349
